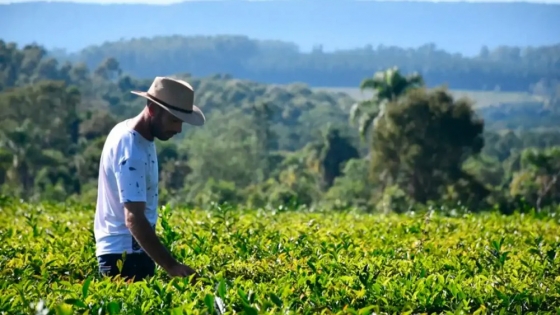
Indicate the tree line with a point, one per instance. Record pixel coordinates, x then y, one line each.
268 145
503 68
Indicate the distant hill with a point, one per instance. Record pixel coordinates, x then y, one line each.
456 27
275 62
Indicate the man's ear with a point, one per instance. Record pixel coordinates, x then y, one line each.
152 108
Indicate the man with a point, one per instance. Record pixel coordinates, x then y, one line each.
127 199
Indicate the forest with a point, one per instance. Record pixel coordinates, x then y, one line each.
295 197
276 62
411 144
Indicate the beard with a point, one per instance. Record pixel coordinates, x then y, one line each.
156 129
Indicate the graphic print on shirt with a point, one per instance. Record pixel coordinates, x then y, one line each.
132 186
152 176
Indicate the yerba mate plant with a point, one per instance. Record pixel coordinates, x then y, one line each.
288 262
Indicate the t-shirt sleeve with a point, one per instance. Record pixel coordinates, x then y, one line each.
131 181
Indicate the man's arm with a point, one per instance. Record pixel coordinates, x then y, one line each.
130 174
142 231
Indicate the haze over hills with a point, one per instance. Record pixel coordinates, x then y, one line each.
455 27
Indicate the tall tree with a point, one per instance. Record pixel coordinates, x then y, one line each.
40 126
266 139
423 141
334 152
538 179
387 86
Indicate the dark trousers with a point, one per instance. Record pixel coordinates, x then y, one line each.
135 266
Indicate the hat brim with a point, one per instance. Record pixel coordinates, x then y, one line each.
196 118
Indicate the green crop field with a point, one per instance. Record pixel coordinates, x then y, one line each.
288 262
481 98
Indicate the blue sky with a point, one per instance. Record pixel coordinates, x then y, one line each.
344 24
176 1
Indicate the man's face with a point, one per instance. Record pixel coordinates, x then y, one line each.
163 124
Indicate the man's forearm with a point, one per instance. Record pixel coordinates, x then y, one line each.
147 238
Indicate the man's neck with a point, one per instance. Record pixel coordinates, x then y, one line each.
140 125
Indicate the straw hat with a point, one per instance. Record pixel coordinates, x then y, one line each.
175 96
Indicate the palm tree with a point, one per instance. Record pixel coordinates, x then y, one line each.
387 86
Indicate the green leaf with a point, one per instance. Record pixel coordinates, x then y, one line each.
209 301
222 289
114 307
85 287
275 299
249 310
75 302
366 310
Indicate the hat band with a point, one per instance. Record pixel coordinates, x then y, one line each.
188 111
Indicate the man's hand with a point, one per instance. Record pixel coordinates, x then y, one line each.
142 231
180 270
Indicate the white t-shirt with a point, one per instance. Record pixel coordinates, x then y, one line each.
128 171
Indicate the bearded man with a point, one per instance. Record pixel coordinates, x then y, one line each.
127 200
